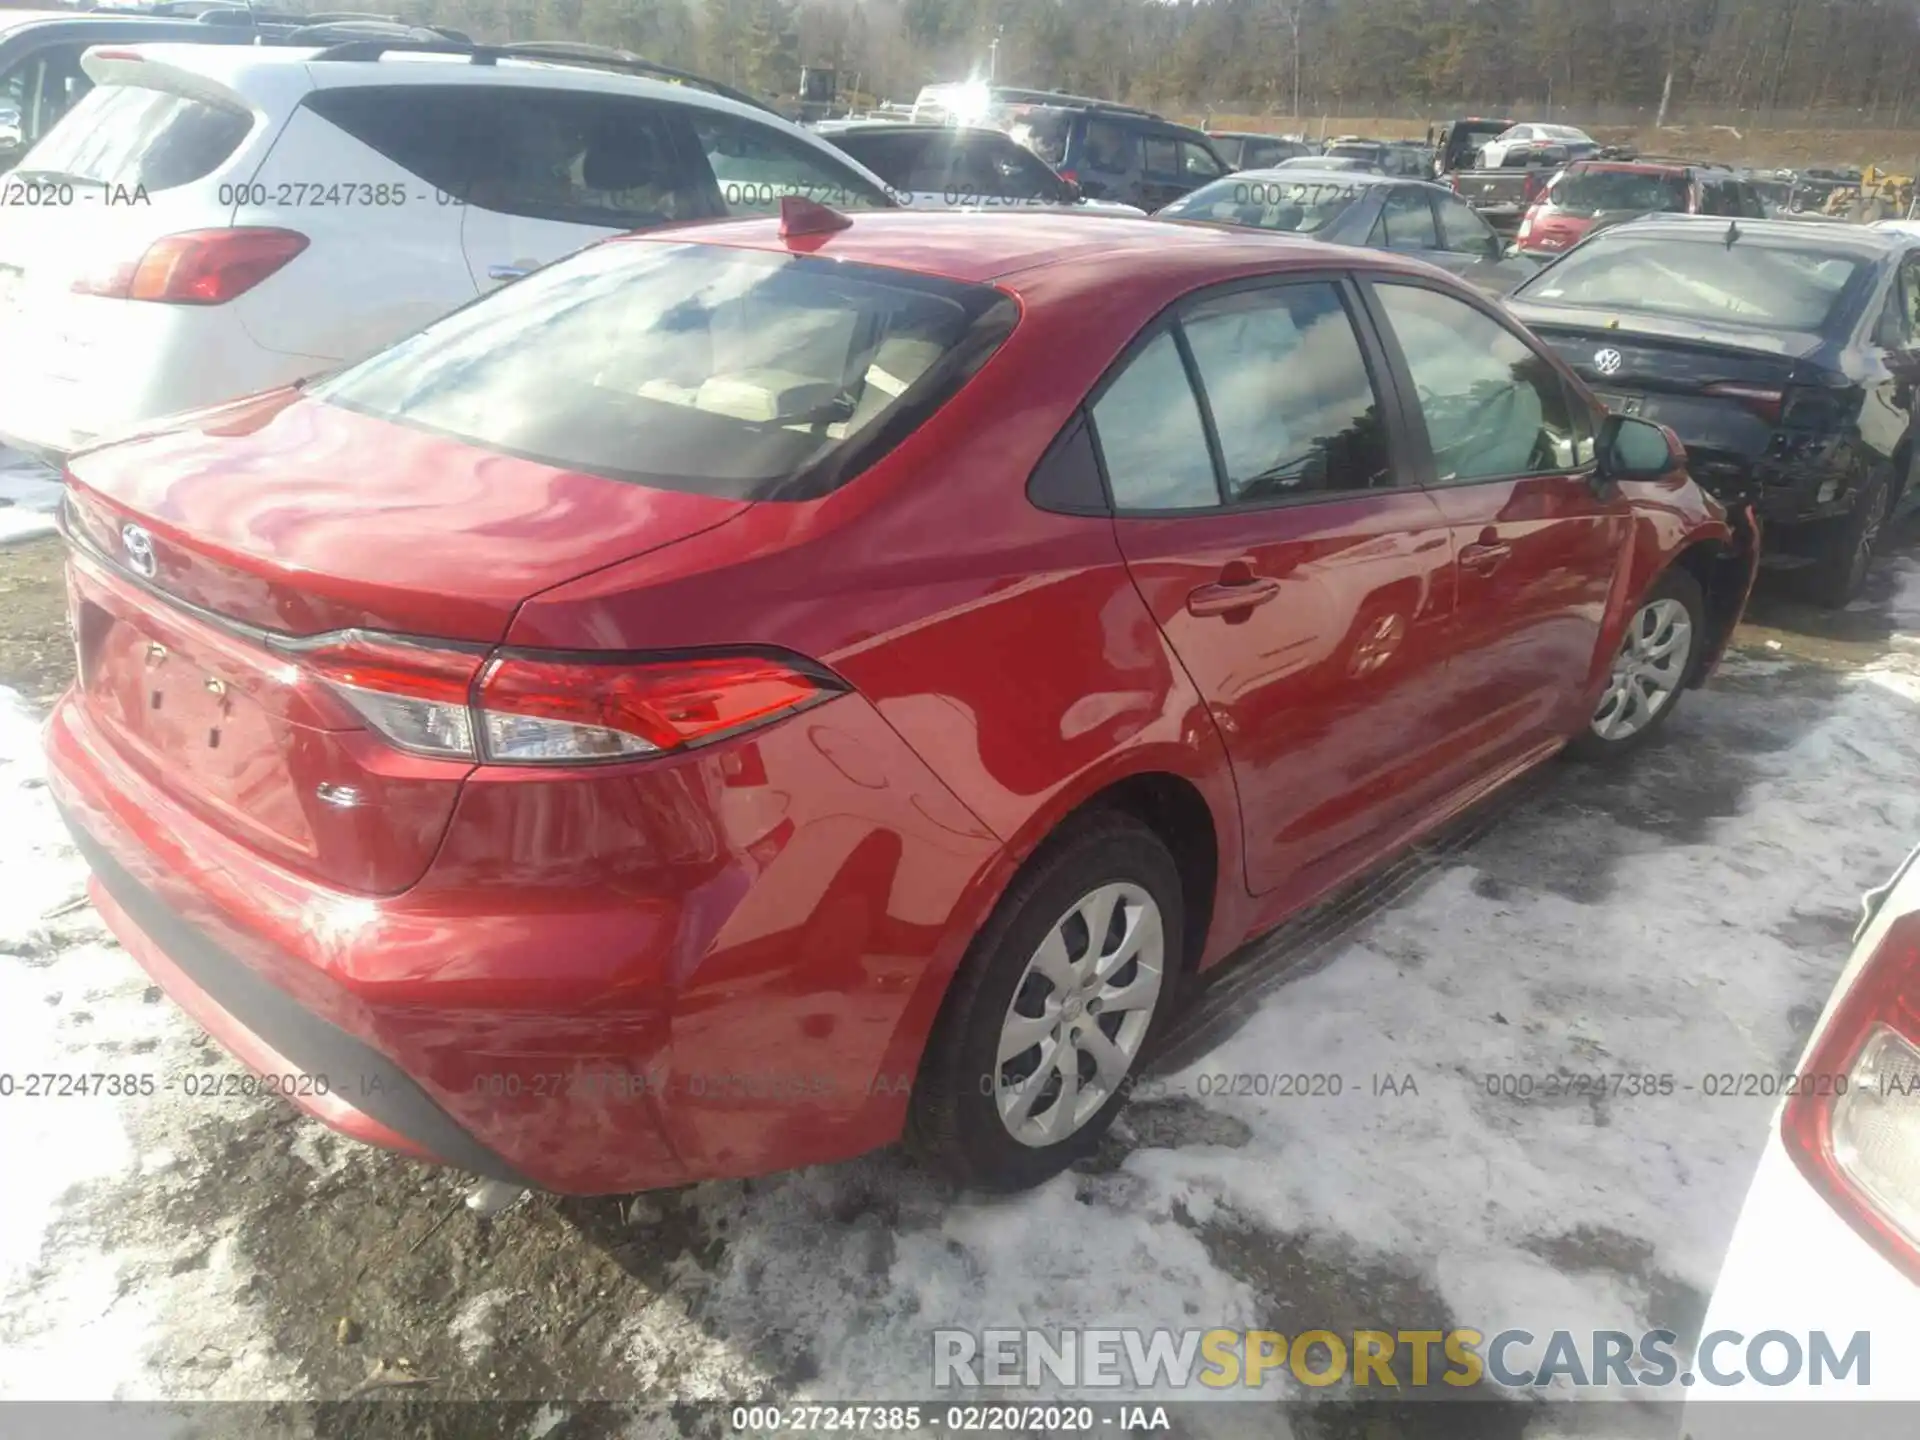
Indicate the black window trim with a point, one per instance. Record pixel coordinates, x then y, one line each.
1419 445
1373 354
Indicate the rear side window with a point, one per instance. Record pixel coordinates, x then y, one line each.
1151 437
1044 132
41 89
756 165
689 367
131 135
562 155
1406 221
906 162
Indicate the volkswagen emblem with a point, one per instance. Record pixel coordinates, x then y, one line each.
1607 361
139 548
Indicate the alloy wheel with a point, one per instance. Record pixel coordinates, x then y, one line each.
1079 1014
1649 670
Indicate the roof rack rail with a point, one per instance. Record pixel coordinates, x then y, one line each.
557 52
356 30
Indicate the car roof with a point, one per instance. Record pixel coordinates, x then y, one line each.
991 247
1306 173
231 64
1250 135
1863 239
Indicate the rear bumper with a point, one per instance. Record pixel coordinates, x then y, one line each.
717 965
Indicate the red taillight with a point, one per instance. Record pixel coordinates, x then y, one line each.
197 267
1766 401
529 708
1534 185
1853 1123
1070 177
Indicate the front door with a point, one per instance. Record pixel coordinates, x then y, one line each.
1536 541
1268 517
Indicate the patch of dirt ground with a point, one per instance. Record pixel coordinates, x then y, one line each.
36 656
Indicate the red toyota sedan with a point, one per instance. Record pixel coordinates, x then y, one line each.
747 693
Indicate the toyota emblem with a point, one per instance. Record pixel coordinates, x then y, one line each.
1607 362
139 547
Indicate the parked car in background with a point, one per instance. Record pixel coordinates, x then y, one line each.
1246 150
1828 1240
1577 143
1784 354
1599 193
1502 196
559 659
40 74
299 208
1389 157
1456 144
954 167
1114 152
1355 163
1415 217
975 102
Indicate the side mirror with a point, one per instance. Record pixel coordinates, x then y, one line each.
1496 248
1633 449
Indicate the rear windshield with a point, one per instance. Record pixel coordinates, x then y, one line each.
1297 206
130 135
687 367
1768 287
1588 192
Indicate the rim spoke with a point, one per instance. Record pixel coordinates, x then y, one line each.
1060 1121
1142 933
1097 910
1051 960
1022 1032
1110 1061
1138 994
1018 1105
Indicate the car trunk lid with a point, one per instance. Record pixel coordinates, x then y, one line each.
209 558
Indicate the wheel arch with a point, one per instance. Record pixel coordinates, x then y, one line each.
1725 576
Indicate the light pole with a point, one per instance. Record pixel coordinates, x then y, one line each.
993 58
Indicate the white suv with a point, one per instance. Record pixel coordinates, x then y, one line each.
216 220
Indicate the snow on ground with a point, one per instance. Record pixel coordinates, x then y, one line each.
1680 918
28 492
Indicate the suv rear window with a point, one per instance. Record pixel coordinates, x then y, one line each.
689 367
131 135
1588 192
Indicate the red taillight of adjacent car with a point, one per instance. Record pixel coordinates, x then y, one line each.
1853 1126
197 267
1766 401
529 708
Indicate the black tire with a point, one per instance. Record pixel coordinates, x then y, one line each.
953 1124
1678 585
1846 546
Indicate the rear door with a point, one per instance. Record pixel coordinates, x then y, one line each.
1509 455
1270 520
1161 181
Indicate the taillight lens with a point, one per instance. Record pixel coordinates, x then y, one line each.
1526 226
1766 401
1855 1130
528 708
197 267
1070 177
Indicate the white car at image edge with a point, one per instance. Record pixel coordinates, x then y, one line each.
215 220
1828 1239
1579 144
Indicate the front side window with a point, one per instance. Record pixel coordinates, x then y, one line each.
1198 164
1293 405
723 372
1493 407
1109 148
989 168
756 166
1152 441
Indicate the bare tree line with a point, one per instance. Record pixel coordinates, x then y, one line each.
1852 60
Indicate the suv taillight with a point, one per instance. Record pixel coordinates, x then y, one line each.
197 267
521 707
1766 401
1853 1126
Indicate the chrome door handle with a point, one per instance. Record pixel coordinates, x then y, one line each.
508 272
1226 599
1484 558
